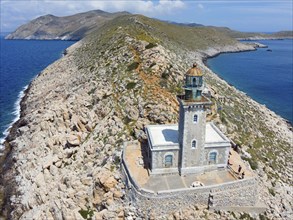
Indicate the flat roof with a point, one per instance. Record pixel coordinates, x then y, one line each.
213 134
163 134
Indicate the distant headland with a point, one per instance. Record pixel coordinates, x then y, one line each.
75 27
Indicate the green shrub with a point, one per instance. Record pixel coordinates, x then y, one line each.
246 216
262 217
117 160
130 85
126 120
91 91
150 45
165 75
133 66
86 214
252 162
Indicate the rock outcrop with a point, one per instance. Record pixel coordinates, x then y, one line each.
65 150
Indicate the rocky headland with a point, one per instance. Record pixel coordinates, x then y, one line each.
63 155
73 27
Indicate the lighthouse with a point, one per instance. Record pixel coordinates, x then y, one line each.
192 122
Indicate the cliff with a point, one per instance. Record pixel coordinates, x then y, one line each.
74 27
65 150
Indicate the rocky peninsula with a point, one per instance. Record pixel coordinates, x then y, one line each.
73 27
63 155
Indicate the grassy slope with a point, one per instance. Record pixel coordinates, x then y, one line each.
170 35
245 123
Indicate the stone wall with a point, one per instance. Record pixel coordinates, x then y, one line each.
237 193
189 131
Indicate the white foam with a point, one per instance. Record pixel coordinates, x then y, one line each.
16 113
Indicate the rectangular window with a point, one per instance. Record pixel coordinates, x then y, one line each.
213 157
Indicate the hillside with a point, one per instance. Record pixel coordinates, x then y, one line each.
72 27
65 149
75 27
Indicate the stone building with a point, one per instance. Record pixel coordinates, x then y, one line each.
192 146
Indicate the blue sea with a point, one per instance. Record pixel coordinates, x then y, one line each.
20 62
264 75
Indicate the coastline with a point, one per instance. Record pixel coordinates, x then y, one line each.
7 160
264 38
8 184
256 46
16 113
205 55
9 157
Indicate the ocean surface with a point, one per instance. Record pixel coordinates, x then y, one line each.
266 76
20 62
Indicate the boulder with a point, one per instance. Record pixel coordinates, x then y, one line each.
73 140
40 180
47 161
107 180
88 181
117 194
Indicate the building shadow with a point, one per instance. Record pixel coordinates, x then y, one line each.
144 153
170 135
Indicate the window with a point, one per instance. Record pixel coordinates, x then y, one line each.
213 157
200 81
194 82
193 144
195 117
168 160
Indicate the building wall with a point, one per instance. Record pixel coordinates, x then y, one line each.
222 155
158 158
189 131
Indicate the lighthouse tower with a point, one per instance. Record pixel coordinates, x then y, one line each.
192 123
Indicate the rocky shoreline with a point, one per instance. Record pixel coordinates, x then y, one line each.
62 155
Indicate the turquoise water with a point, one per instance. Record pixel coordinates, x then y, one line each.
20 62
266 76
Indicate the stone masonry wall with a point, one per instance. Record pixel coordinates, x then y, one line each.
238 193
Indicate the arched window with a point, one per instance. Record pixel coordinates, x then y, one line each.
213 157
168 160
193 144
195 118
